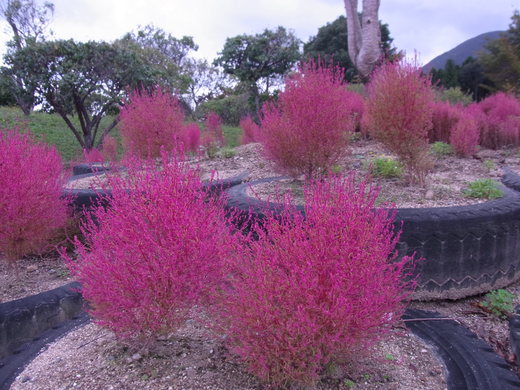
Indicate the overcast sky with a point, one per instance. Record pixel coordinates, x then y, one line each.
429 27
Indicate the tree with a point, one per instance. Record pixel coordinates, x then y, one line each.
163 51
206 82
331 44
259 58
84 79
364 35
502 62
29 23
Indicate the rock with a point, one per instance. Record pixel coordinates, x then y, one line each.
429 195
32 268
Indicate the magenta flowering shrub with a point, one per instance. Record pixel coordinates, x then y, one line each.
445 117
93 155
499 121
465 135
154 253
399 114
316 290
150 122
307 131
250 130
191 137
213 136
31 183
109 149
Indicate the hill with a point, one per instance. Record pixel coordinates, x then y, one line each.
459 53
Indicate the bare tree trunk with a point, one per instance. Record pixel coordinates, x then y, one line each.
364 35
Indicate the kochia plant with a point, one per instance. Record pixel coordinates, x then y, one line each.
250 130
445 117
31 182
149 122
154 253
213 137
399 114
465 135
314 290
308 130
191 137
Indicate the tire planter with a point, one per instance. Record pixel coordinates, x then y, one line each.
468 249
86 199
81 169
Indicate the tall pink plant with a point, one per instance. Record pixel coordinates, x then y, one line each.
155 253
306 132
399 114
317 290
465 135
250 130
31 183
150 122
445 117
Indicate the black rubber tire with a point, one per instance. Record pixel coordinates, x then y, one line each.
81 169
470 362
468 249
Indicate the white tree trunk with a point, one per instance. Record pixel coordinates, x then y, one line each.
364 35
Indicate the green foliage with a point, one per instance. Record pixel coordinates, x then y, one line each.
483 189
499 303
502 62
232 135
441 149
455 95
84 79
331 44
231 108
489 164
386 167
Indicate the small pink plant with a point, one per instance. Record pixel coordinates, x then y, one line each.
213 136
445 117
93 156
318 290
307 131
191 137
154 253
109 149
150 122
250 130
399 114
465 135
31 182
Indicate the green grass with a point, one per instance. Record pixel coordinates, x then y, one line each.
232 135
50 128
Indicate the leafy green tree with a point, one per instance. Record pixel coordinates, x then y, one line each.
472 79
206 82
258 60
84 79
331 44
163 51
29 23
502 62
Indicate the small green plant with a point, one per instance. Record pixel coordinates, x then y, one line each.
228 152
441 149
386 167
367 377
389 356
483 189
489 164
349 384
335 169
499 303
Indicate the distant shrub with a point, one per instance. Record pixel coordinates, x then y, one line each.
500 120
191 137
154 253
109 149
455 95
483 189
315 291
385 167
93 155
150 122
308 130
231 108
399 114
212 137
465 135
441 149
31 207
250 130
445 117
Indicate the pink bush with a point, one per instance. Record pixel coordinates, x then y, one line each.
109 150
465 135
307 131
154 253
316 290
500 122
93 155
357 107
250 130
213 137
399 114
445 117
191 137
150 122
31 207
